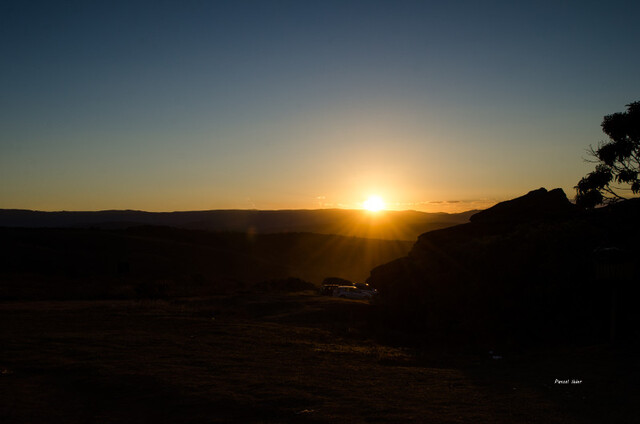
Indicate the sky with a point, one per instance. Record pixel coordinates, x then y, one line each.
197 105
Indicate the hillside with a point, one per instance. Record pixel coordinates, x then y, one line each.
48 263
529 270
390 225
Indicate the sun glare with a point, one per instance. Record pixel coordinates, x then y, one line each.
373 204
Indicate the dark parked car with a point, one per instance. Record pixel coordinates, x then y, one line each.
327 289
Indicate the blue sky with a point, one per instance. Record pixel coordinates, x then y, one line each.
180 105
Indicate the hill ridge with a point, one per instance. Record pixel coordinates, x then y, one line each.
390 225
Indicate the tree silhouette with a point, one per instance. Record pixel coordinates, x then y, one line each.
617 161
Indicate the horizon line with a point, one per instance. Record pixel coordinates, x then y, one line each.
239 210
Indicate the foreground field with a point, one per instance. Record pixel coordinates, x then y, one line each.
281 358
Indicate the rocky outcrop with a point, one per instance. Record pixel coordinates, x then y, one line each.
537 204
524 269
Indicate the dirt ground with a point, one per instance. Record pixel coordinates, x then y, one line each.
279 359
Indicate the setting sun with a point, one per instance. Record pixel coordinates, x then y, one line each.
373 204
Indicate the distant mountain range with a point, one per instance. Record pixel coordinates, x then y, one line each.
390 225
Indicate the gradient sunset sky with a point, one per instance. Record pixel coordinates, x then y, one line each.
192 105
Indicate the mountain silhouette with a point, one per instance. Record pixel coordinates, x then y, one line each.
390 225
537 204
529 269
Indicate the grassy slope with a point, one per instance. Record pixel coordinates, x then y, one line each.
274 359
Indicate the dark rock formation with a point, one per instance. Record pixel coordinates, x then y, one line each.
524 270
537 204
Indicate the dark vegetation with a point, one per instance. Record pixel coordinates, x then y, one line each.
390 225
532 271
163 262
617 161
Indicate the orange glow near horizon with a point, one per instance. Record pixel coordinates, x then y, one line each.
374 204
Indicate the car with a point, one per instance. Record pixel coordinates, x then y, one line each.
352 292
328 289
366 287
